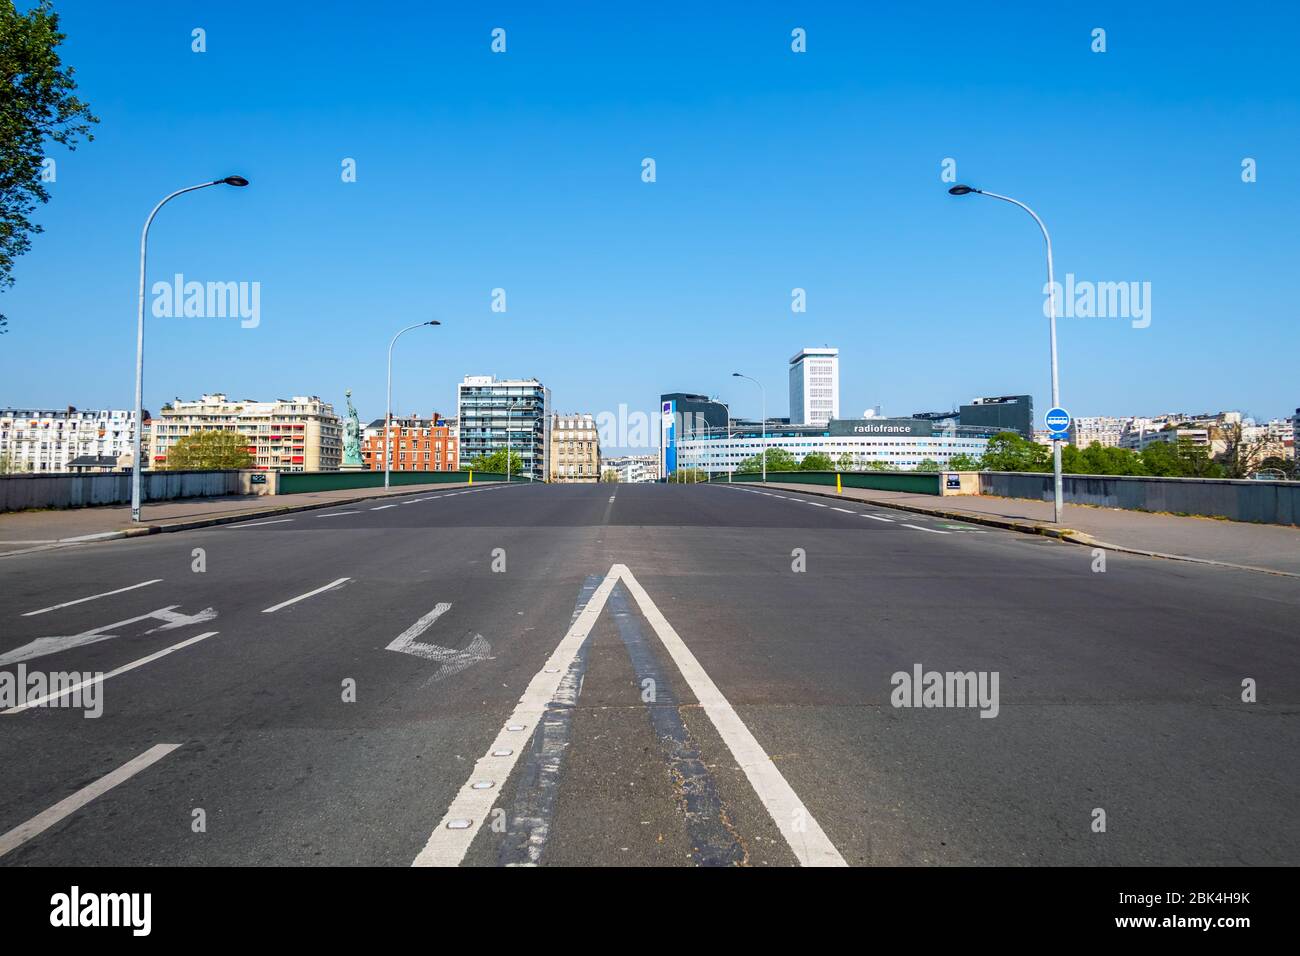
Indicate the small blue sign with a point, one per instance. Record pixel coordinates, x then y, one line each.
1058 419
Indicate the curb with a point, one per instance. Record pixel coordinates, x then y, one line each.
1061 534
216 520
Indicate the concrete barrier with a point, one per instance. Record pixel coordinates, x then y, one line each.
19 492
1263 502
917 482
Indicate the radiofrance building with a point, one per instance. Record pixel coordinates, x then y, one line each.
898 443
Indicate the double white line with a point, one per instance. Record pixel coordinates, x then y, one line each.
473 803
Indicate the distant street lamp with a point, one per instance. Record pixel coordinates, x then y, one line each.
388 414
509 406
139 335
763 392
1051 293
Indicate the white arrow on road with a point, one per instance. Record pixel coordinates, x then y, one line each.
453 661
170 617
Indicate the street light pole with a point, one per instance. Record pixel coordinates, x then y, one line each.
1051 294
763 393
509 405
388 413
139 335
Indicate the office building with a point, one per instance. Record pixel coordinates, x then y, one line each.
575 449
493 412
294 434
1008 413
814 386
60 440
414 444
1104 431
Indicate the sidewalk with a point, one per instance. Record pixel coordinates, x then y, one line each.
1261 547
23 531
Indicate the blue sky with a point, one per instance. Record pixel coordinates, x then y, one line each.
775 170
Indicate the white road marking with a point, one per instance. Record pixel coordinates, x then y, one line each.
382 507
52 645
816 504
879 518
302 597
805 836
931 530
471 807
70 805
844 510
93 537
335 514
93 597
258 524
113 673
447 845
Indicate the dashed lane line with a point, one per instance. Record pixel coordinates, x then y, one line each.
302 597
93 597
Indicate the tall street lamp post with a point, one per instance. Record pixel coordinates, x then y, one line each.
139 335
388 413
763 393
1051 293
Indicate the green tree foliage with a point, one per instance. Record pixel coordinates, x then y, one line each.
928 464
964 462
816 461
1012 451
845 462
778 459
37 104
210 451
496 462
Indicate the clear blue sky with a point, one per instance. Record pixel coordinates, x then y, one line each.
775 170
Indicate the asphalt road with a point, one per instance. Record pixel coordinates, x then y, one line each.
682 695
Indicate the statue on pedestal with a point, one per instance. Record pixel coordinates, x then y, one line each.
352 460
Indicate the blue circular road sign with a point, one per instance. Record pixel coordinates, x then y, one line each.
1058 419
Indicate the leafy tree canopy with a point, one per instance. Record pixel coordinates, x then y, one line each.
210 451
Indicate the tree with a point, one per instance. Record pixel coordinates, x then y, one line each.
37 103
1243 456
817 461
609 476
928 464
1012 451
778 459
845 462
496 462
963 462
1098 459
210 451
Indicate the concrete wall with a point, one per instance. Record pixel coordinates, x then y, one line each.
1266 502
18 492
918 482
293 482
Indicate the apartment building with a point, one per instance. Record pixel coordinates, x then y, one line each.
493 413
60 440
814 386
632 469
1107 432
296 434
575 449
414 444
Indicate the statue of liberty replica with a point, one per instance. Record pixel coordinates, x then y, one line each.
352 439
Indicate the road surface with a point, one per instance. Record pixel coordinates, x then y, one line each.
641 675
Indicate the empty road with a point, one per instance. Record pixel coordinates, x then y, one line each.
642 675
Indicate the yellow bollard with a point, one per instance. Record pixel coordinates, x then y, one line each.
839 489
471 476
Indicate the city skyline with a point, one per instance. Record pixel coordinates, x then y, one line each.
532 183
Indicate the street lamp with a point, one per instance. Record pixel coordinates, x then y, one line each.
714 401
388 413
139 335
763 392
509 406
962 190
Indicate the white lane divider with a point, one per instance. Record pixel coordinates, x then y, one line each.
93 597
70 805
335 514
844 511
917 527
258 524
382 507
450 841
302 597
879 518
113 673
473 803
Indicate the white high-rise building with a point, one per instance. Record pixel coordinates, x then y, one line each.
814 386
60 440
